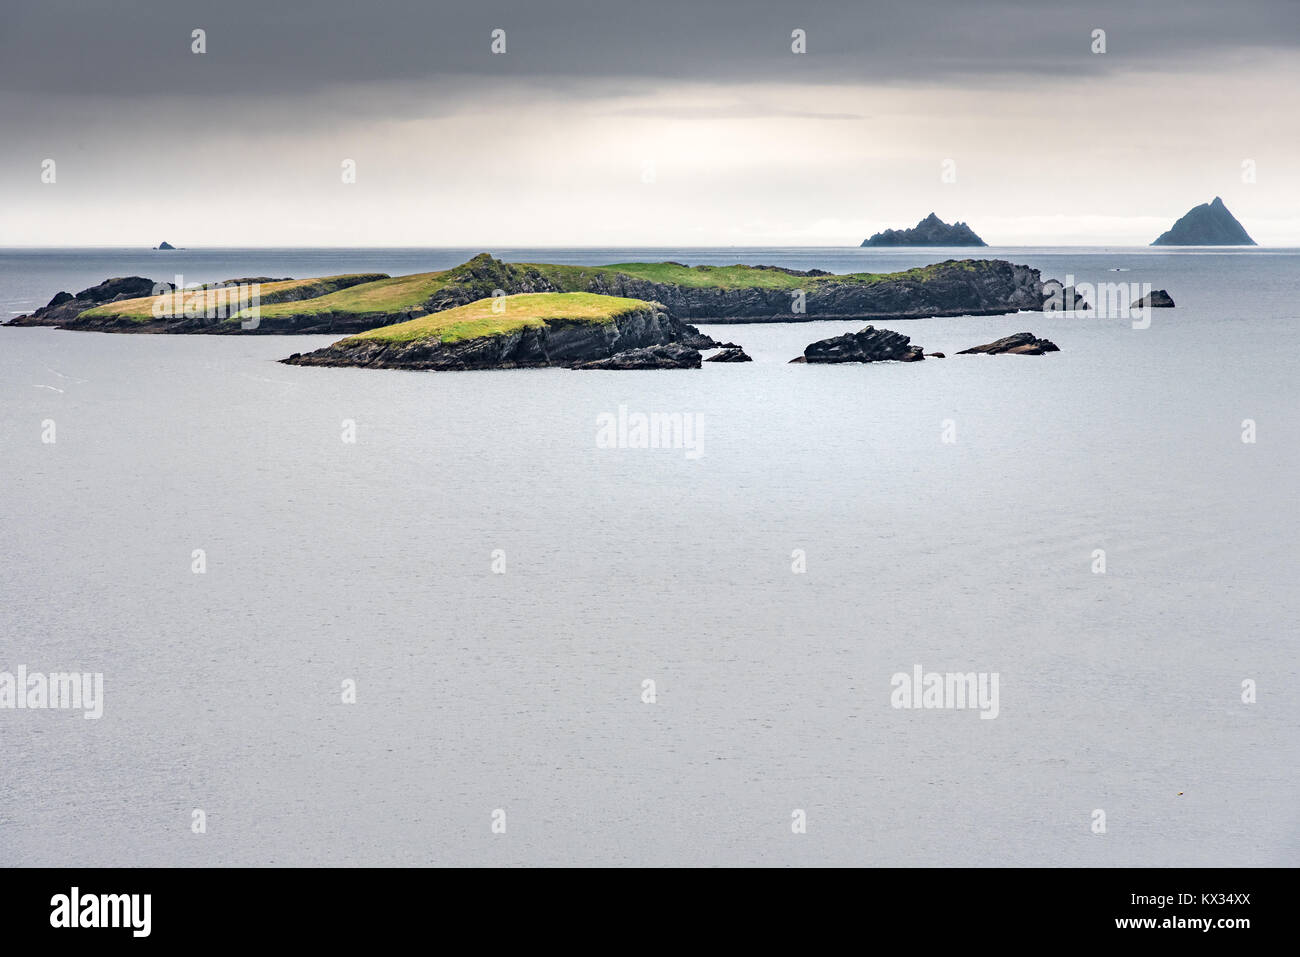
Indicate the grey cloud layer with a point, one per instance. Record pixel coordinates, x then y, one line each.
258 47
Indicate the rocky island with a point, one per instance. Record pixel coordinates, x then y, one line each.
528 330
931 231
883 345
716 294
868 345
1209 224
1156 299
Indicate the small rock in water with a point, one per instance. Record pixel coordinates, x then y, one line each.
1156 299
1020 344
733 354
868 345
670 356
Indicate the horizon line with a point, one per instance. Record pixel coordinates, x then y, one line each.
488 246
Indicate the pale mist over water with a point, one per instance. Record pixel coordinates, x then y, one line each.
475 691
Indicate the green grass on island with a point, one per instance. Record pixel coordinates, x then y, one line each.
505 314
757 277
287 293
389 297
382 298
386 298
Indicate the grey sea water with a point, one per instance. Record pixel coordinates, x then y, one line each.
522 691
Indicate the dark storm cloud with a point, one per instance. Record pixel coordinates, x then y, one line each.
269 48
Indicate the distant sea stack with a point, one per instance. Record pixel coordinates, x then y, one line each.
1209 224
165 245
931 231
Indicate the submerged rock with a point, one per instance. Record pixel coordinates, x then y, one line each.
670 356
1156 299
868 345
732 354
1020 344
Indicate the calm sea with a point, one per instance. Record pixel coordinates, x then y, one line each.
499 588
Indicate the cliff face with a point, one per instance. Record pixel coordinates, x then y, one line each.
979 287
931 231
558 342
1209 224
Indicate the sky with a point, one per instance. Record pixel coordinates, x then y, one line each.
642 124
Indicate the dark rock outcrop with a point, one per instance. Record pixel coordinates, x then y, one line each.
1020 344
130 287
556 342
698 340
734 354
165 245
1156 299
65 307
868 345
931 231
1209 224
670 356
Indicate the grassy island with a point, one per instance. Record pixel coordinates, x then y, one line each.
506 314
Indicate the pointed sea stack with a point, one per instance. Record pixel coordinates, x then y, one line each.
1209 224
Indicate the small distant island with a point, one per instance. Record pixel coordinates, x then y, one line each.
931 231
1209 224
165 245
